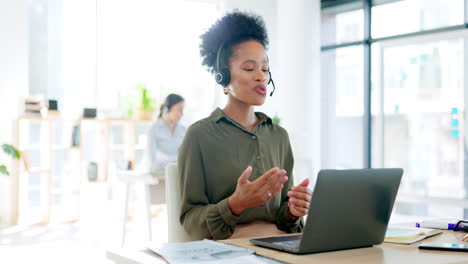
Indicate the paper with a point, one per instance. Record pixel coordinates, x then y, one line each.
204 251
250 259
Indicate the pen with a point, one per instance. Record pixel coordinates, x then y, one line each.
448 226
465 238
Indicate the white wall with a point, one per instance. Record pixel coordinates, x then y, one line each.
14 49
299 81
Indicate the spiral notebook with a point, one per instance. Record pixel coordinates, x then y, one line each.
408 235
208 251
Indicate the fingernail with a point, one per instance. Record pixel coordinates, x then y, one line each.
289 193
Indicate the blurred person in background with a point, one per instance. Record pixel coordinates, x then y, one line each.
166 134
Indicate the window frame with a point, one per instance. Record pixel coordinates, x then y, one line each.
442 33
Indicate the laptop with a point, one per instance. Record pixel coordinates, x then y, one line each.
349 209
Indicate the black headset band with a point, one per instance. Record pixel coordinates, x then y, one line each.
219 55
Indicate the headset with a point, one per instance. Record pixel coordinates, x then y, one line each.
222 76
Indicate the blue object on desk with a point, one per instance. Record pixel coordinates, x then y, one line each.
450 226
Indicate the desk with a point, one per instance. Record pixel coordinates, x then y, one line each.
384 253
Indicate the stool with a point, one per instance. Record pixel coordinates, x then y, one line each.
146 179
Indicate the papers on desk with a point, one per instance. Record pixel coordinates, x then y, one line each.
250 259
208 251
408 235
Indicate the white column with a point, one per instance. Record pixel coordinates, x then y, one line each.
14 81
298 81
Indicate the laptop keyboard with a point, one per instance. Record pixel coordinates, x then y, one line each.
292 243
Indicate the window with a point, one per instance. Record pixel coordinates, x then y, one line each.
342 72
344 23
155 43
95 53
423 116
400 17
416 97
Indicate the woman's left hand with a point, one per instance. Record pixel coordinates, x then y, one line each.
299 199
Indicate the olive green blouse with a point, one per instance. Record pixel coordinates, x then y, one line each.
214 153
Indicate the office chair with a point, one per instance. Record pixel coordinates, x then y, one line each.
173 199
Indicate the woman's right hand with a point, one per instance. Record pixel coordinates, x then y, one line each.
250 194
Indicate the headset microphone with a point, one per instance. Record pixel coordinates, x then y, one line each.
272 82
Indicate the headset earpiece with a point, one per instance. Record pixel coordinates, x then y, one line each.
222 75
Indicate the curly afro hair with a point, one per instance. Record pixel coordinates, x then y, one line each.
229 30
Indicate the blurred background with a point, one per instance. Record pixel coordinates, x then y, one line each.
359 83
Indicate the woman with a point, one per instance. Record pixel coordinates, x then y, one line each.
236 165
166 134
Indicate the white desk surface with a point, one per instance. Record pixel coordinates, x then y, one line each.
384 253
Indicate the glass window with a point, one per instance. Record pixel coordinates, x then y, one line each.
134 47
400 17
342 24
422 116
342 79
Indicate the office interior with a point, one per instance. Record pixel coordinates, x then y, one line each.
359 84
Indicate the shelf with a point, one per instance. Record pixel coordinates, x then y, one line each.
34 188
118 147
59 191
120 120
64 147
30 147
26 117
96 137
91 119
49 117
37 170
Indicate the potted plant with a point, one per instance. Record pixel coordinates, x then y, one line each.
11 151
276 119
145 104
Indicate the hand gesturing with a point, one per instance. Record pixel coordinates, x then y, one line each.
250 194
299 199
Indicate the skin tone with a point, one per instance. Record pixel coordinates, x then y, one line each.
173 116
248 67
